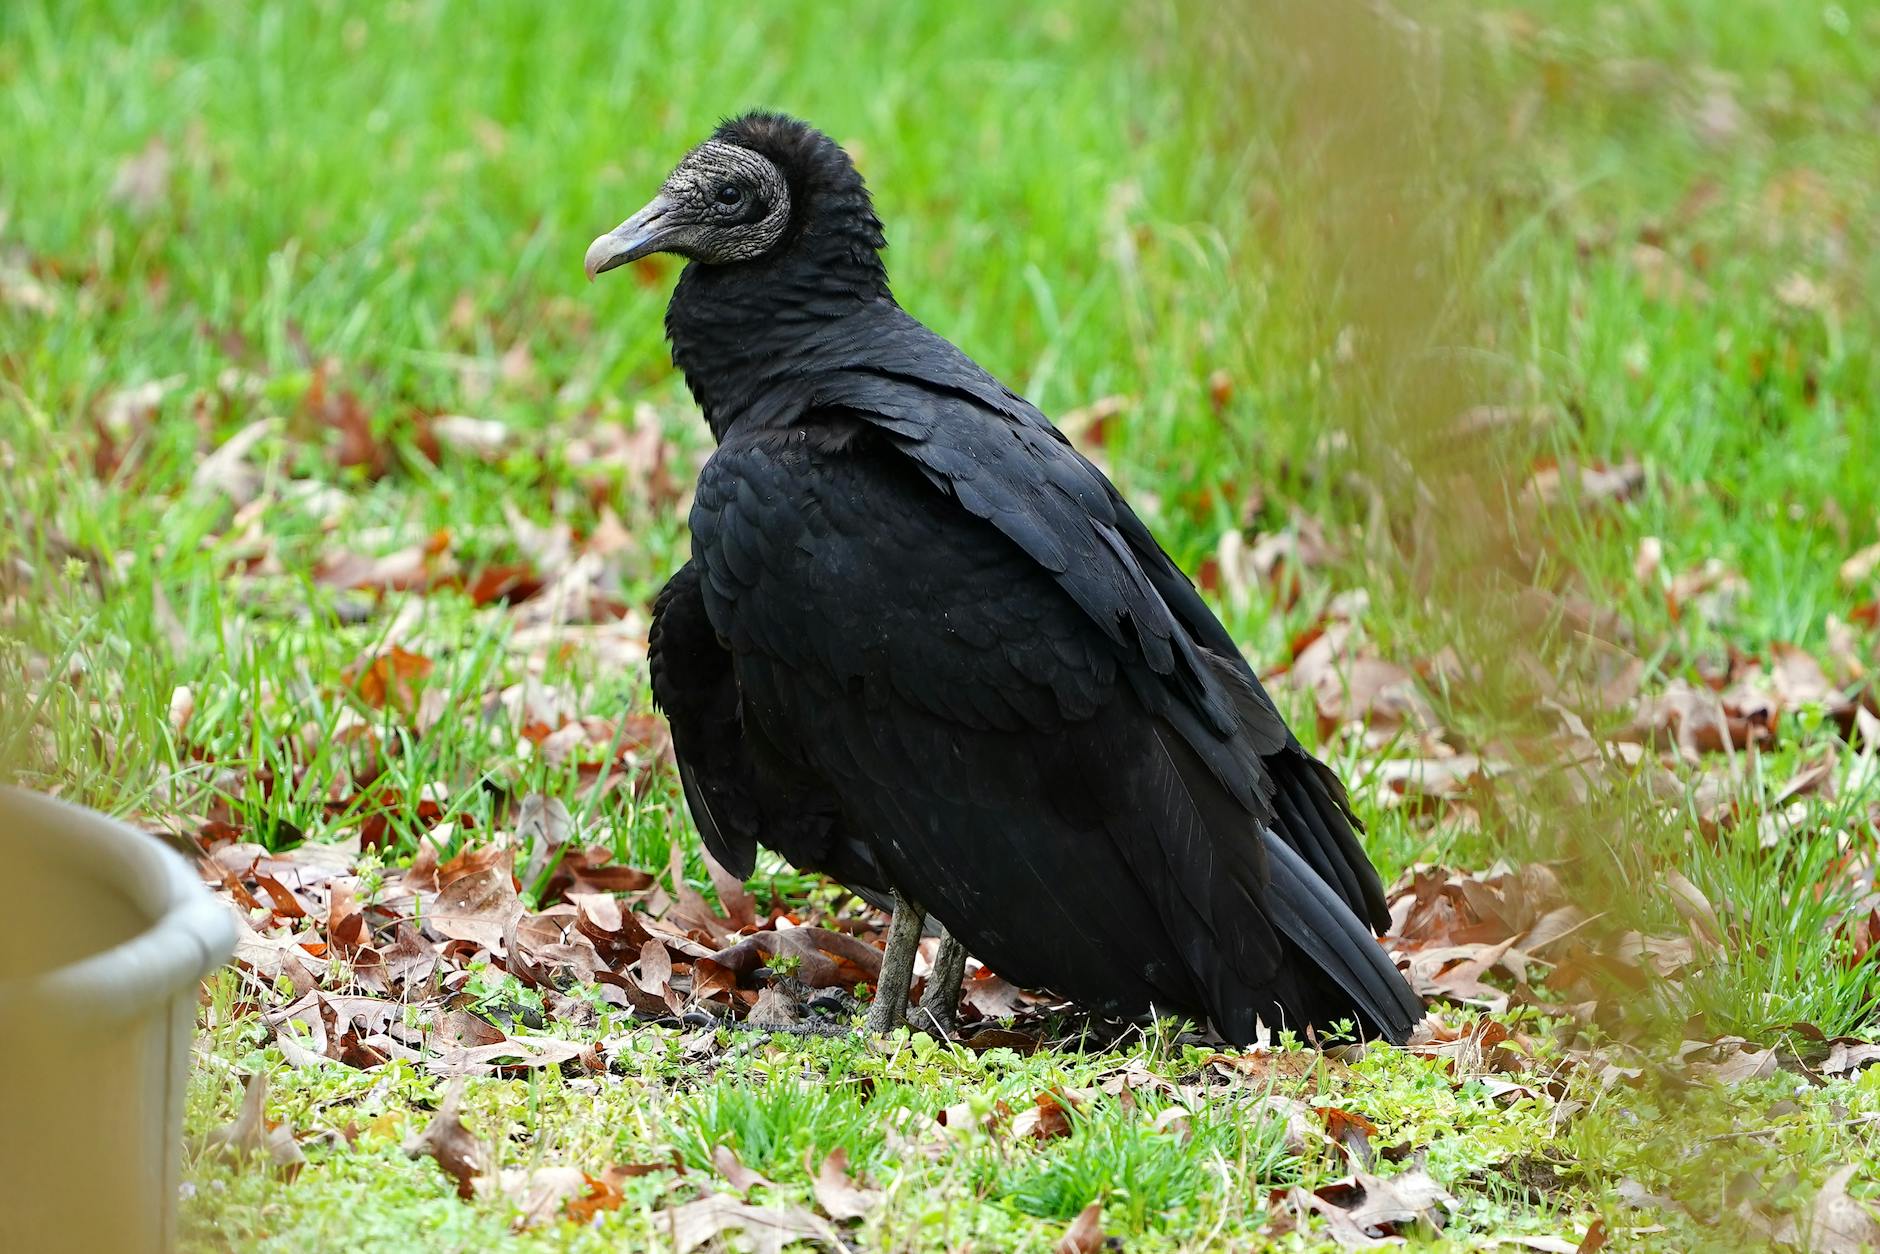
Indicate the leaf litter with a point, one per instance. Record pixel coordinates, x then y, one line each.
1496 941
357 964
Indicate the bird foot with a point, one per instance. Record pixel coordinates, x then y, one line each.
940 1007
889 1010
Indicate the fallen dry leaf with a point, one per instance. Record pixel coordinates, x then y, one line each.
1690 902
769 1228
541 1196
1275 562
1351 1130
338 409
1847 1055
1085 1235
1744 1065
1838 1223
1348 684
345 921
1297 1117
1663 278
740 906
1048 1118
1664 955
838 1194
691 911
142 181
1089 424
507 583
984 1039
825 959
1270 1068
603 1191
1649 560
774 1009
446 1140
412 568
1178 1120
518 1052
480 907
1383 1204
543 825
182 709
251 1133
483 438
613 931
1860 567
285 904
1845 651
1398 779
463 1030
1454 929
1590 483
654 972
227 470
393 678
735 1173
1696 720
958 1118
1708 593
593 871
1799 678
990 996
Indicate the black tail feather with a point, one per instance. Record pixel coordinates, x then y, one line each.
1310 915
1302 827
1318 798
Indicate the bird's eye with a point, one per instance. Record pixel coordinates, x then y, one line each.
728 194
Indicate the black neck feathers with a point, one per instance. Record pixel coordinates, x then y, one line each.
741 332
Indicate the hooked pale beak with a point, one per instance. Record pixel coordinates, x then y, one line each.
641 235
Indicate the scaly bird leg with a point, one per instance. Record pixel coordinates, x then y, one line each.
897 968
940 1007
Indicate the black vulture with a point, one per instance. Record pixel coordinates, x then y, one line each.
925 645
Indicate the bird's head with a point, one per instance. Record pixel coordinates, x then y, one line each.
760 183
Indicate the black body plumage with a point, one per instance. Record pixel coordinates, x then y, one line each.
923 644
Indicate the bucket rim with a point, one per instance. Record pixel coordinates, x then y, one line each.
189 933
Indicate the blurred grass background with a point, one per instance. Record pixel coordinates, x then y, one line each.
1294 245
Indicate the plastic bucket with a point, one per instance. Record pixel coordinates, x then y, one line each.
104 938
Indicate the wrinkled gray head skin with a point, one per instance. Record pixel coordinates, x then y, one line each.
723 203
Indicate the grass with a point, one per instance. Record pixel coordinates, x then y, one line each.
1656 229
776 1104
